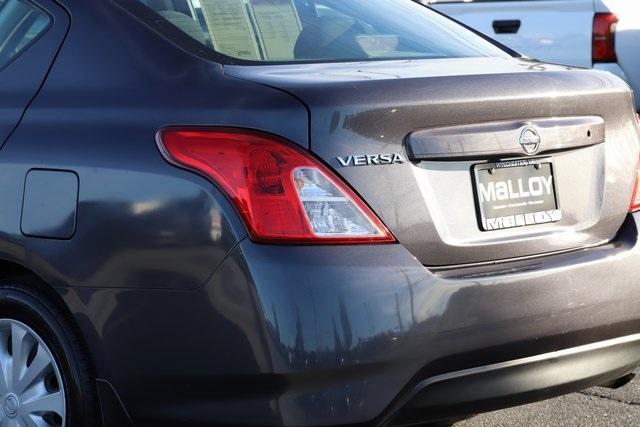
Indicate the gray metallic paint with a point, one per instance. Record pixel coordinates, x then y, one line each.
49 204
332 335
243 333
364 108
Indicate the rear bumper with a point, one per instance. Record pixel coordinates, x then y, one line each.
310 336
356 330
485 388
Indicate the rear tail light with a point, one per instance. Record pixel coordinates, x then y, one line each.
635 200
282 193
604 37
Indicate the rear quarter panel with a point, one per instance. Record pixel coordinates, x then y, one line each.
141 222
148 235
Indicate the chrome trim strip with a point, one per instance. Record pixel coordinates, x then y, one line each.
502 139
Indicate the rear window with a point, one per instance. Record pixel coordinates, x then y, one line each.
21 23
313 30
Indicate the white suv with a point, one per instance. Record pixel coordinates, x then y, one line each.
603 34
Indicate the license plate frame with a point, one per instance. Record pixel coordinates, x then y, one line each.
529 208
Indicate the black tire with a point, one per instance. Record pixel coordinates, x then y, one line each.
36 310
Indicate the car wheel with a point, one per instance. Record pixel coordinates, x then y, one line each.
45 378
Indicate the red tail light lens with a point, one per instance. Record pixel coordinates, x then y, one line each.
635 200
604 37
282 193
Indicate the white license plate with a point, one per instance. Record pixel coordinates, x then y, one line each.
516 193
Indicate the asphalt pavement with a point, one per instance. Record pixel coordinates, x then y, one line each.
592 407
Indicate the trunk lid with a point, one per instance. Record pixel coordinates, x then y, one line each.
444 117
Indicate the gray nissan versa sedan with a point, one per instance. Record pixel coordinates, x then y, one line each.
303 213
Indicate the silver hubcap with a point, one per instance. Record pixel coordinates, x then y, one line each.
31 392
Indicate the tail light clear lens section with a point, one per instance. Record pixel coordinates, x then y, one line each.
283 194
604 37
329 210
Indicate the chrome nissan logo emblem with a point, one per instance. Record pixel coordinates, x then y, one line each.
530 140
11 405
